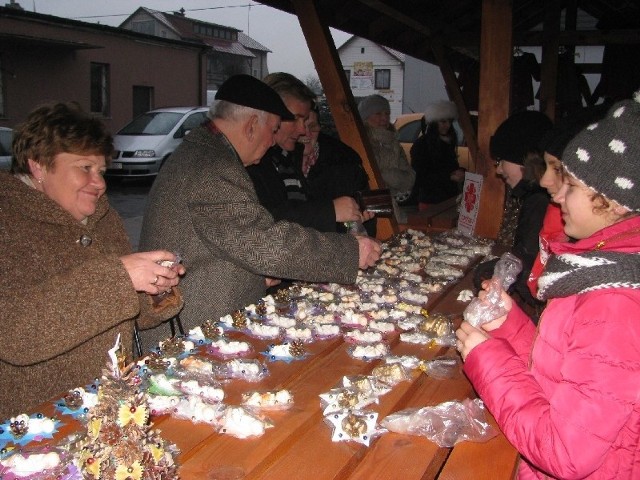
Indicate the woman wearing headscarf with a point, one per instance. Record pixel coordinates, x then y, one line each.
392 162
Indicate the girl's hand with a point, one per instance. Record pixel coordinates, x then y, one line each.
507 303
469 338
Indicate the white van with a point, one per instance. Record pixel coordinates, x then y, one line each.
142 146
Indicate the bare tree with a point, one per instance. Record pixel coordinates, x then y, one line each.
314 84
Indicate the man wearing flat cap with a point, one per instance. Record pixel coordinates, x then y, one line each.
278 178
204 206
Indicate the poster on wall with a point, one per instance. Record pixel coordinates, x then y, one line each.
470 203
362 77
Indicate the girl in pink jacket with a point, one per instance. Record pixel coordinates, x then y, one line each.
567 393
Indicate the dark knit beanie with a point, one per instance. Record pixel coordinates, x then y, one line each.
518 135
605 156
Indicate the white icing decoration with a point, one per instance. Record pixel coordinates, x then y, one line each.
238 422
21 466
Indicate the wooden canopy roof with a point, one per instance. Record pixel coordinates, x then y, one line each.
448 33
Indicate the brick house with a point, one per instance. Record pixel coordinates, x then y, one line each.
229 50
111 72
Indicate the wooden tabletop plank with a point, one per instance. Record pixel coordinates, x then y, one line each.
299 445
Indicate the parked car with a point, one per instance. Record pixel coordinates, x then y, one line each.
6 136
411 125
142 146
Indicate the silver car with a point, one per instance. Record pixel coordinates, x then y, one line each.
142 146
6 136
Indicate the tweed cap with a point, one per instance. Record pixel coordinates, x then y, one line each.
250 92
519 134
605 156
373 104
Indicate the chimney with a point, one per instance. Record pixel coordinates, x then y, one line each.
15 5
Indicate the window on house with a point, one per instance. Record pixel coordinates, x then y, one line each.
100 89
146 26
362 50
347 73
382 79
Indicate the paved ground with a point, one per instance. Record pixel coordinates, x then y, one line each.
129 198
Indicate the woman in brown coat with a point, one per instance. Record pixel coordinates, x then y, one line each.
69 283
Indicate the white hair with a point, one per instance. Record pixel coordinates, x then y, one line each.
232 111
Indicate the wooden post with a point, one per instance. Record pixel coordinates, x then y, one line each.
495 83
549 67
340 98
453 88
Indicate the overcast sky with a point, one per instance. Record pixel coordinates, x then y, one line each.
276 30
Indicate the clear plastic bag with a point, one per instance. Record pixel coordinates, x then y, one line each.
445 424
268 400
441 367
491 307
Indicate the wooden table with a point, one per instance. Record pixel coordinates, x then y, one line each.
300 447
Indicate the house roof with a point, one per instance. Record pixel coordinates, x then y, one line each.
394 53
414 26
78 25
159 16
232 48
183 27
250 43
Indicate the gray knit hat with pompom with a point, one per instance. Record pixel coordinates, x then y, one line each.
605 156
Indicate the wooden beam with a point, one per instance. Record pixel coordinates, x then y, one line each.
549 66
571 22
334 82
495 82
536 38
453 88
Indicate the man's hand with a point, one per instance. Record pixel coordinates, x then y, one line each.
369 251
271 282
347 210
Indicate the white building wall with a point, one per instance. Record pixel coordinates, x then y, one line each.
423 84
359 52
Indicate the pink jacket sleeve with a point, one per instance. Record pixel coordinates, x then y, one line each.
567 428
519 331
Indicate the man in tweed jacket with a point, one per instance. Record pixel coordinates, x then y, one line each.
204 206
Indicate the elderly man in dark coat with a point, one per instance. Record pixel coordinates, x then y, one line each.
203 205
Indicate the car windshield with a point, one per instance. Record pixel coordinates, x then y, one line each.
152 123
